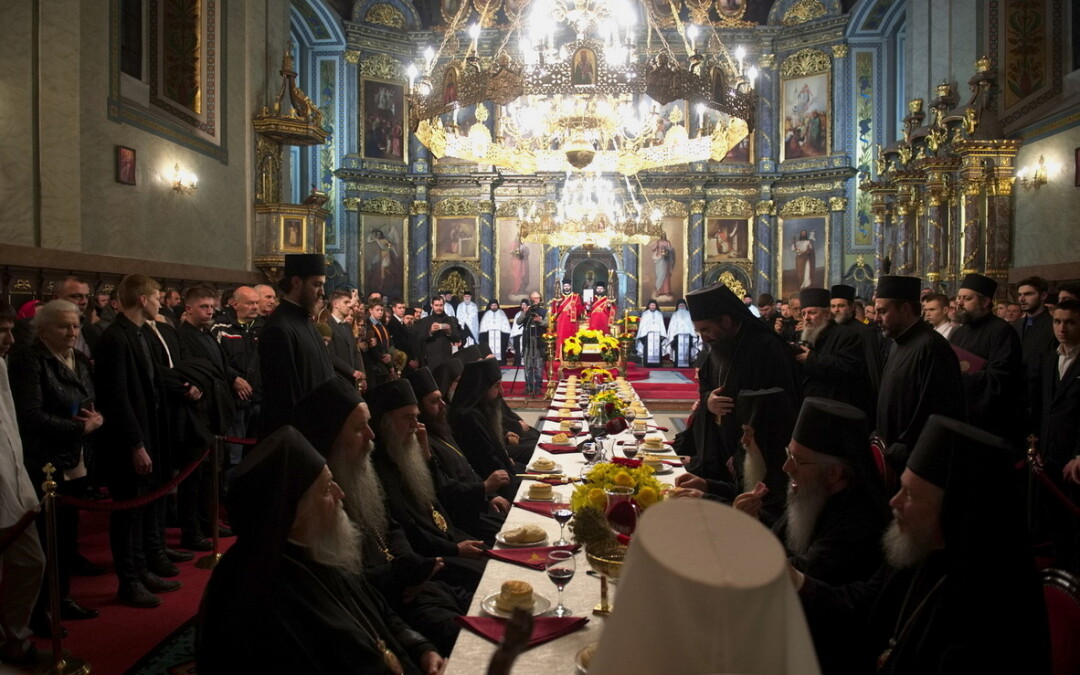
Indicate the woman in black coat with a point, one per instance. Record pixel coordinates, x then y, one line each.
54 401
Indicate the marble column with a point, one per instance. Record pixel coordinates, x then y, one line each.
695 245
419 282
487 246
973 215
765 243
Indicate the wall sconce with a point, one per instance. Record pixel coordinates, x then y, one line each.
1033 179
183 181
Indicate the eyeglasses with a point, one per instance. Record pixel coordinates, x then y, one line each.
796 460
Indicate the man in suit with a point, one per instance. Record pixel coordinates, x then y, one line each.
134 438
378 359
293 358
344 353
401 334
1058 412
1036 331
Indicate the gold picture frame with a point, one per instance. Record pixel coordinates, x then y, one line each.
674 228
787 262
806 116
292 234
456 238
384 121
729 239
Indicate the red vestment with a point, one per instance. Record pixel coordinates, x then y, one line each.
568 310
601 314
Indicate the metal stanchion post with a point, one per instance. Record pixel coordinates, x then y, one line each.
60 665
210 561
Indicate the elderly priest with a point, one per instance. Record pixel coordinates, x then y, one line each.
288 596
960 593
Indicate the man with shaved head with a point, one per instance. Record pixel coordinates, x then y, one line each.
267 299
240 342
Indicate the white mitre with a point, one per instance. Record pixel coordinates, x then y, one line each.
713 587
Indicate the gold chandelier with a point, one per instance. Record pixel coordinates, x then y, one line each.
578 94
589 213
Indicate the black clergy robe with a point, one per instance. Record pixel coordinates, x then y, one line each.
436 348
484 452
873 356
344 355
836 368
305 618
921 378
523 450
462 491
957 631
293 360
377 371
759 360
421 528
994 395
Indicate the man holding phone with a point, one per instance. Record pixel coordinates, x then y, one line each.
437 333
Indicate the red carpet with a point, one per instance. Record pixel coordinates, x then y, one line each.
114 641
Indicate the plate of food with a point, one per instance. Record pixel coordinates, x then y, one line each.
539 492
522 535
512 595
545 465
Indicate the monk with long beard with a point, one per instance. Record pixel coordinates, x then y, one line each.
335 419
476 414
401 462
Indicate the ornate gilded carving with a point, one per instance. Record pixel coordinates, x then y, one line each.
383 206
456 206
802 188
805 62
838 203
803 11
840 51
804 206
486 206
729 280
352 56
420 208
729 208
765 207
351 203
669 207
697 206
383 14
767 61
382 67
268 161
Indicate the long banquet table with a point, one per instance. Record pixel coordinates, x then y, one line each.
472 652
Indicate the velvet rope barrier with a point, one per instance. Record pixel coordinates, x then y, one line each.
1055 491
91 505
16 530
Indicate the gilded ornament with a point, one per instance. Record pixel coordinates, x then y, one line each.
419 208
669 207
805 62
456 206
803 11
840 51
486 206
765 207
730 208
383 206
351 203
383 14
697 206
838 203
352 56
767 61
804 206
699 11
729 280
382 67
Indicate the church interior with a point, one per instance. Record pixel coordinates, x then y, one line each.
505 147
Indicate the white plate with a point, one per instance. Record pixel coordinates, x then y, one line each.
663 471
509 544
527 498
540 606
555 469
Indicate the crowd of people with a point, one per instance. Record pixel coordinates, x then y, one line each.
386 459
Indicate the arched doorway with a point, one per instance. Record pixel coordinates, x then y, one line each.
585 270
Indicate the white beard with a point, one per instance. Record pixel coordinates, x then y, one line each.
810 333
406 454
904 550
803 510
364 497
339 546
754 469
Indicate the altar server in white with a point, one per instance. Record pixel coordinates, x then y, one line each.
651 335
468 316
495 331
683 342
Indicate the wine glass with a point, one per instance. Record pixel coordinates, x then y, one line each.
639 433
630 415
630 450
560 567
575 426
562 514
589 450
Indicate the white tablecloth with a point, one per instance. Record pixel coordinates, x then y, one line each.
472 652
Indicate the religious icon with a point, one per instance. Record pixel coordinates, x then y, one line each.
806 116
125 165
731 9
383 121
519 264
450 84
663 263
292 235
583 68
804 254
727 239
456 238
383 255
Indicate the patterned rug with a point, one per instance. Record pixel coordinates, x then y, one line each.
175 655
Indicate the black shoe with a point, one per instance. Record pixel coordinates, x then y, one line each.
178 556
196 543
41 625
137 595
225 532
82 567
156 584
73 611
160 565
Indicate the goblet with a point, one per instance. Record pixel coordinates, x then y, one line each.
607 561
562 514
560 567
